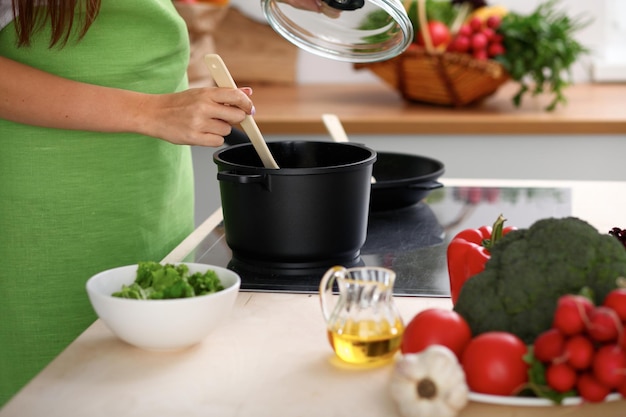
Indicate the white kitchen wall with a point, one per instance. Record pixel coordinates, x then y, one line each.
581 157
313 69
559 157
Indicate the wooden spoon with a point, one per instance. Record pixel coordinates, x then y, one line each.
336 130
222 78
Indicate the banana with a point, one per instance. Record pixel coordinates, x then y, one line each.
484 12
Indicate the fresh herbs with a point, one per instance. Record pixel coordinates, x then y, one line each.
540 50
156 282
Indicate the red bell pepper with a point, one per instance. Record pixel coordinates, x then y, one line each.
469 251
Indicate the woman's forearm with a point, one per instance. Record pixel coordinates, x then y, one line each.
196 117
34 97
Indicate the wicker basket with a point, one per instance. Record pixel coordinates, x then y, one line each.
449 79
426 75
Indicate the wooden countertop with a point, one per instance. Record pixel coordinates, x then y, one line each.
378 109
270 359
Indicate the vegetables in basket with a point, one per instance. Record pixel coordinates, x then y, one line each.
536 50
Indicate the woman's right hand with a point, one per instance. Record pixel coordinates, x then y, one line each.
198 116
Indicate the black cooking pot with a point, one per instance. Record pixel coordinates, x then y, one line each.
312 212
403 180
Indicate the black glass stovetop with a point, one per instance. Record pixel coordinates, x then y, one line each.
412 241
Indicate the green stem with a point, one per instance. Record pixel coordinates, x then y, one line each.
496 233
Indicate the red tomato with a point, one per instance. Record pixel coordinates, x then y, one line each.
436 326
494 363
439 34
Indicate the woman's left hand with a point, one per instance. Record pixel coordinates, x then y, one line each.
314 6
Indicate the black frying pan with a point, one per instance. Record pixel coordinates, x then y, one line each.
403 180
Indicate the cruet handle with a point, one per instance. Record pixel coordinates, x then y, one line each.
326 289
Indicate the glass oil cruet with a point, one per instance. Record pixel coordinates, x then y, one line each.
363 324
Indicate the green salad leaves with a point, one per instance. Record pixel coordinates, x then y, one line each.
155 281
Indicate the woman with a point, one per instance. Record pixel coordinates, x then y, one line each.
93 106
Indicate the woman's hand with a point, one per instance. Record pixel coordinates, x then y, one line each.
312 5
315 6
199 116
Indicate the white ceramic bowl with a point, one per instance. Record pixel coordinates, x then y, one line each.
161 324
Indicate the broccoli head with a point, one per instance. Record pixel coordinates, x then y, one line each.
530 269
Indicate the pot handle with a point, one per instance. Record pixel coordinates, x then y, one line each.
230 176
430 185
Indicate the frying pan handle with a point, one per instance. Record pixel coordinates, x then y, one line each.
429 185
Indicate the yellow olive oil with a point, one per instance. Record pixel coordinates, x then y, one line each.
366 341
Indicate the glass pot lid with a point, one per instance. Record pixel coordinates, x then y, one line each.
345 30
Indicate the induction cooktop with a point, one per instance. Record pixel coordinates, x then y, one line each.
412 241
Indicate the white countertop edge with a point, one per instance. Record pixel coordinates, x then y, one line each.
185 247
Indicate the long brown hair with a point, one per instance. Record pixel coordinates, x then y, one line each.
58 13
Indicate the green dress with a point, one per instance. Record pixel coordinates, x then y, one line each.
73 203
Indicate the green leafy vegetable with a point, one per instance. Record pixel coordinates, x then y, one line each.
530 269
540 50
440 10
155 282
537 383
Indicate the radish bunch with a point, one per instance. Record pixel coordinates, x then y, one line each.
479 38
585 350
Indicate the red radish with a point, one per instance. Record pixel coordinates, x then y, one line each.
497 38
616 300
549 345
479 41
493 22
461 44
572 314
609 366
604 324
590 389
475 24
561 377
489 33
579 352
465 30
495 49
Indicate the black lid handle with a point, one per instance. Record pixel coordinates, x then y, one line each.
345 4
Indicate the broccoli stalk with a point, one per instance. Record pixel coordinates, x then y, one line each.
530 269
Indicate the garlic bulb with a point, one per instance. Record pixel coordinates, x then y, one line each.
430 383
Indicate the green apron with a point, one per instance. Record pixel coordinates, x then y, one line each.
73 203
